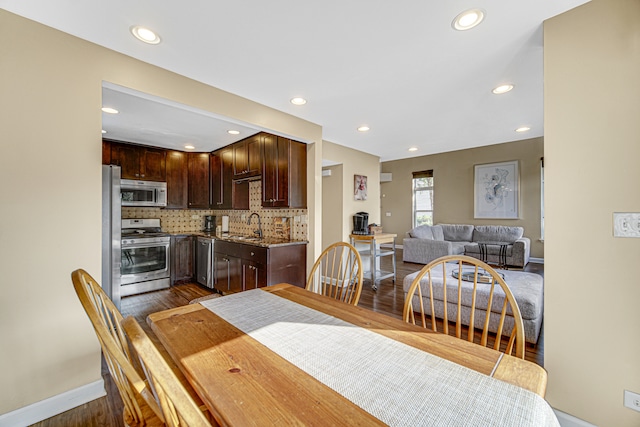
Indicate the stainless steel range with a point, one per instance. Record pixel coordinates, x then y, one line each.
145 262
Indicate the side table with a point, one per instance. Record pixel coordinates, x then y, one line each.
502 253
374 240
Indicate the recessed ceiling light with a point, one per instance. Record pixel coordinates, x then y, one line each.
468 19
144 34
363 128
413 149
233 132
298 101
110 110
502 89
523 129
189 147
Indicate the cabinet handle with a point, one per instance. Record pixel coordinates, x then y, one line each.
137 174
142 175
252 253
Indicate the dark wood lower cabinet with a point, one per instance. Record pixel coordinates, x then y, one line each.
182 259
227 275
240 267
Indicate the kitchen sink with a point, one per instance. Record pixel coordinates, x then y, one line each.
246 238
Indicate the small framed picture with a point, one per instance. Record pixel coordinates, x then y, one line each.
496 190
360 187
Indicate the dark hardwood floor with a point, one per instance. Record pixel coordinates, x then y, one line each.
107 411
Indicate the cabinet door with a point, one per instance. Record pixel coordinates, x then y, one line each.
128 158
198 168
254 275
254 155
106 152
247 156
177 180
275 171
221 178
152 164
240 167
227 272
182 256
241 195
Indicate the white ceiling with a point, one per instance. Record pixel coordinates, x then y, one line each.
397 67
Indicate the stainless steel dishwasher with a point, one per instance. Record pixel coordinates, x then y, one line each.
204 261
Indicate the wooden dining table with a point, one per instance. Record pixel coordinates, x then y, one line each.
252 370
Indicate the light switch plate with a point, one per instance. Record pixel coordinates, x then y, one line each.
626 224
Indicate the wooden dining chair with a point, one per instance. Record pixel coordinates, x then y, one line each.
438 279
140 405
337 273
177 406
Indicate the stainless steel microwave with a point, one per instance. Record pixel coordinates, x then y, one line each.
143 193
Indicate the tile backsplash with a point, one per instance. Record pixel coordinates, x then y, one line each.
275 222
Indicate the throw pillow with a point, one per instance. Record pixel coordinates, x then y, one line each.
422 232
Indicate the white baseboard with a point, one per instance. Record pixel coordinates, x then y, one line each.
536 260
567 420
53 406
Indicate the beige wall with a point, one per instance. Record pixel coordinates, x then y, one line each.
453 188
354 162
50 128
332 217
592 148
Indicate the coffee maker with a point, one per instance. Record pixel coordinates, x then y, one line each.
209 223
361 223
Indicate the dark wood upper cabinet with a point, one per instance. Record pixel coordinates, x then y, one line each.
106 152
241 195
177 180
198 169
247 157
284 173
221 178
139 162
153 164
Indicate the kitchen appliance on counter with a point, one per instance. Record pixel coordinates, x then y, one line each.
143 193
361 223
145 259
111 232
209 224
204 261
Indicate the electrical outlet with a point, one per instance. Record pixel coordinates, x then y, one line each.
626 224
195 216
388 213
632 400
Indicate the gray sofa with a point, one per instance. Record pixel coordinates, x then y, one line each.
425 243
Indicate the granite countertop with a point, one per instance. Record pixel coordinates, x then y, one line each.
265 242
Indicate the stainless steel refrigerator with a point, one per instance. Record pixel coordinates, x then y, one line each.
111 232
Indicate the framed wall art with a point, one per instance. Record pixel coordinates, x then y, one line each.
496 190
360 187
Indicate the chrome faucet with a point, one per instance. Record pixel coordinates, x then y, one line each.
258 232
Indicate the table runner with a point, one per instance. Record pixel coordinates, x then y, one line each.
396 383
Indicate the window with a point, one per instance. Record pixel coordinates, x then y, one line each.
423 198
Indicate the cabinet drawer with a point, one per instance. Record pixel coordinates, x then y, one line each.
248 252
